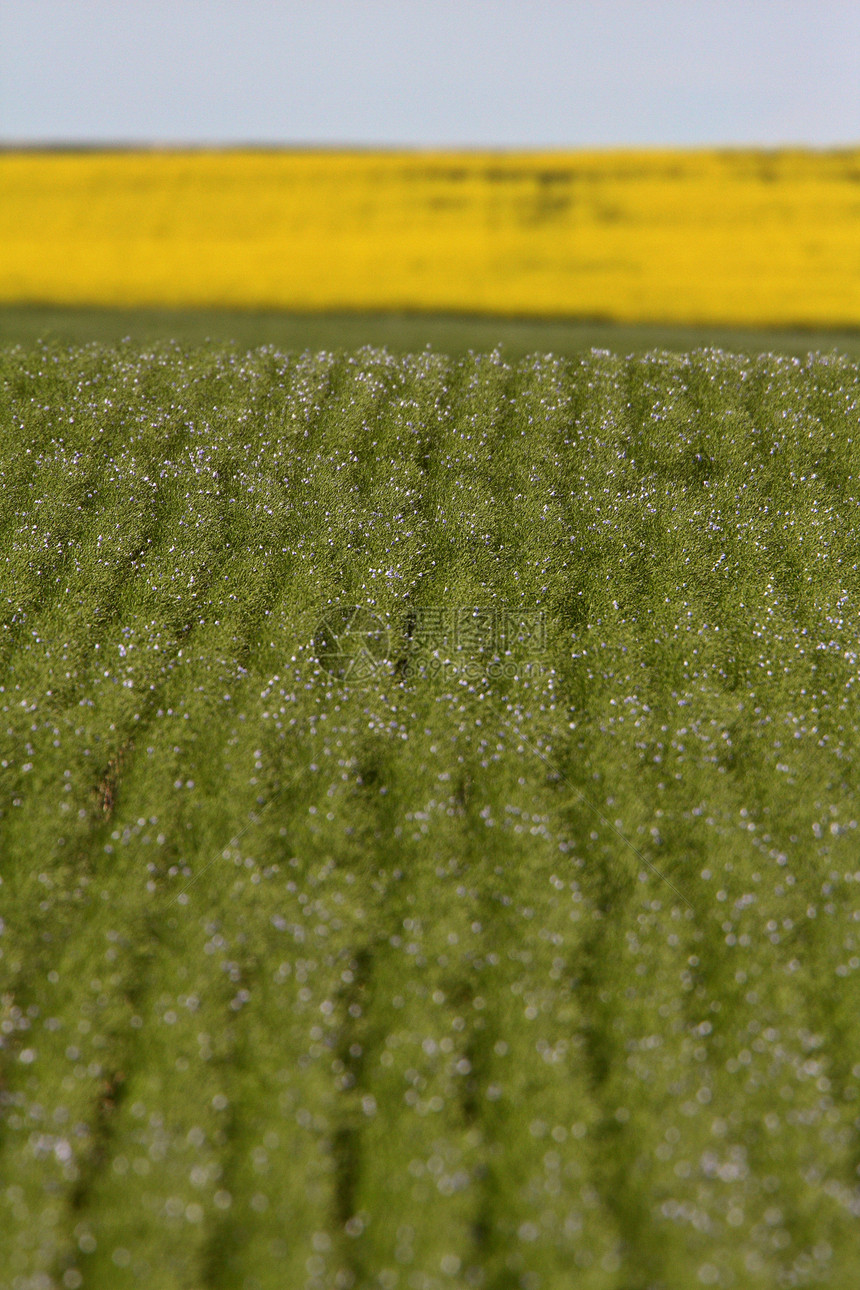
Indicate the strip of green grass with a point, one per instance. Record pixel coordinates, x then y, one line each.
474 949
400 333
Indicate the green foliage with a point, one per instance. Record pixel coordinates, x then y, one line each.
516 947
402 333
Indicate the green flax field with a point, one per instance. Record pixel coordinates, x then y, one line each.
428 819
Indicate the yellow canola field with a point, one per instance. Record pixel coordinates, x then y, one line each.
735 236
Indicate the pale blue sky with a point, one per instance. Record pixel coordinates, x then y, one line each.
495 73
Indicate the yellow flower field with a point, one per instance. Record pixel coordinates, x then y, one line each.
759 238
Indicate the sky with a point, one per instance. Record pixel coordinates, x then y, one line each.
431 73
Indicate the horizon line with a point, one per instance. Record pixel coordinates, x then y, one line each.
155 145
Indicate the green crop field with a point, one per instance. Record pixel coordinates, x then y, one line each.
428 820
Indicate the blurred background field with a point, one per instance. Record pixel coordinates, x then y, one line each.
399 333
701 238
